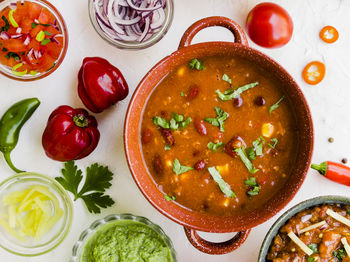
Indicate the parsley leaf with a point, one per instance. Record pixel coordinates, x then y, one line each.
251 153
221 116
182 94
177 121
36 24
311 259
215 147
226 78
167 147
276 105
339 255
179 169
249 165
195 63
313 247
274 141
159 121
254 186
225 188
96 182
258 146
231 94
7 24
168 198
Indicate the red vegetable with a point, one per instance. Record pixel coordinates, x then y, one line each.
70 134
269 25
100 84
334 171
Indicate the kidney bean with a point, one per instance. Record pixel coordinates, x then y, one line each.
200 165
259 101
200 127
169 139
158 164
193 92
238 102
233 144
146 136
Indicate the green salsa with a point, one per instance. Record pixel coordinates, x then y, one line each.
126 241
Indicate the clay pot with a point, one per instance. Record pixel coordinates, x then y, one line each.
192 221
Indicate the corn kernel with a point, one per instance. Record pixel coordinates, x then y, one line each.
181 71
267 129
226 202
222 169
169 163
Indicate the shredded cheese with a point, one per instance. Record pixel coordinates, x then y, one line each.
312 227
300 243
346 246
338 217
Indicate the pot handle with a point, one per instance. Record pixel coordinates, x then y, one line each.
216 248
231 25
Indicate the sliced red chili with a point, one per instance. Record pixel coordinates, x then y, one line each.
314 72
329 34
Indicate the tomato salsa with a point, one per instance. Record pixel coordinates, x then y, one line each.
219 136
31 38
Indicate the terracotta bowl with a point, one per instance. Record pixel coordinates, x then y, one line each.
191 220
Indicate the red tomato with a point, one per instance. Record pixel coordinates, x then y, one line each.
269 25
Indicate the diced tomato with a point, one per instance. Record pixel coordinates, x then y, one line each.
53 49
53 31
26 25
15 45
46 62
36 30
7 61
45 17
34 10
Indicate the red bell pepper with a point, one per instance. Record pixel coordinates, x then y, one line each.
70 134
100 84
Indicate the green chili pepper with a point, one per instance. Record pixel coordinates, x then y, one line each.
10 126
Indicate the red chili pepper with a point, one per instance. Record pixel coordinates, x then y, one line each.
100 84
70 134
334 171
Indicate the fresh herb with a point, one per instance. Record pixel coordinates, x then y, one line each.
36 24
339 255
195 63
179 169
97 181
251 153
177 121
215 146
4 49
348 211
258 146
221 116
313 247
311 259
159 121
168 198
22 53
274 141
14 55
47 33
182 94
254 187
249 165
225 188
45 41
7 24
276 105
231 94
226 78
167 147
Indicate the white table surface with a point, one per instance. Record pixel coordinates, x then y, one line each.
328 101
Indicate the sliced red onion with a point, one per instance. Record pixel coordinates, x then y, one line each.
30 54
27 40
16 36
4 35
306 218
159 20
36 21
18 30
146 30
13 5
54 38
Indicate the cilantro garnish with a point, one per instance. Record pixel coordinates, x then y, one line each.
177 121
231 94
274 142
251 153
36 24
47 33
311 259
215 146
14 55
339 255
258 146
159 121
45 41
313 247
348 211
276 105
168 198
4 49
225 188
167 147
195 63
96 182
182 94
226 78
221 116
254 187
179 169
7 24
249 165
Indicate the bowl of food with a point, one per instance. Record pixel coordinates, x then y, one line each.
218 137
317 229
35 214
124 236
130 24
33 38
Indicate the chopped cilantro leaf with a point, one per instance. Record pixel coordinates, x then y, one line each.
4 49
177 121
225 188
231 94
182 94
226 78
254 187
168 198
45 41
13 55
339 255
178 118
167 147
311 259
276 105
36 24
173 124
179 169
348 211
221 116
195 63
251 181
313 247
249 165
258 146
159 121
7 24
47 33
251 153
215 146
274 142
185 123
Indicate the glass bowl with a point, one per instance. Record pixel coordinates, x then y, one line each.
78 248
169 13
7 71
57 233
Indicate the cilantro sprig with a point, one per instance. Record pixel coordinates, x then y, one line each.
176 122
92 192
274 143
168 198
226 78
196 64
215 146
249 165
254 187
6 27
275 105
180 169
224 187
230 94
339 255
220 119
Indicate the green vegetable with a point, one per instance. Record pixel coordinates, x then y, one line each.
274 141
7 24
254 187
167 147
4 49
226 78
276 105
185 123
45 41
168 198
231 94
21 73
195 63
40 36
221 116
159 121
215 147
251 153
182 94
12 20
47 33
176 122
258 146
14 55
97 181
249 165
348 211
36 24
311 259
225 188
339 255
179 169
11 124
313 247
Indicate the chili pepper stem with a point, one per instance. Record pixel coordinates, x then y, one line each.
11 165
321 168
